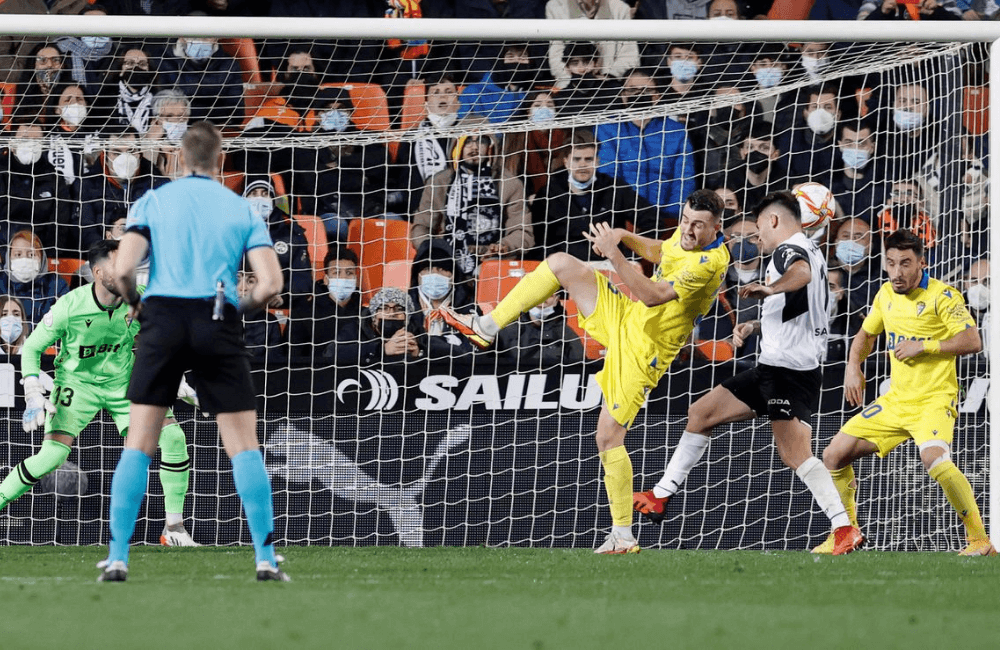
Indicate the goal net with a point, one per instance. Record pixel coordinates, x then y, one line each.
396 173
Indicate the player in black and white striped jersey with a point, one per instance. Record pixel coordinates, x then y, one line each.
785 384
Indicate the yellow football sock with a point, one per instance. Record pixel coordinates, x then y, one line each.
618 484
532 290
956 487
842 478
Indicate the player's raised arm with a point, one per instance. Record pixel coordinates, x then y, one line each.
794 278
646 247
605 240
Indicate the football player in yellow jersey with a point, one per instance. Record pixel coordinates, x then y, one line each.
927 326
641 336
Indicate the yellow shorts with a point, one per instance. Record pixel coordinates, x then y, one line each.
888 424
632 366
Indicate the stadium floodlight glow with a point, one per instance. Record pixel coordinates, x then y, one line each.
304 447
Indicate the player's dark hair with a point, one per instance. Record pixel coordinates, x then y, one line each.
905 240
201 145
706 200
783 199
339 253
101 251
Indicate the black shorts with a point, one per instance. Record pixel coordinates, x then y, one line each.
779 393
178 334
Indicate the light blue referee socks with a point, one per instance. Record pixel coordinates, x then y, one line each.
128 487
254 488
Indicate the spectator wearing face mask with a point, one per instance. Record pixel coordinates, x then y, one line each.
810 144
290 109
907 208
390 332
731 202
25 275
170 116
843 323
261 329
578 196
419 160
90 57
119 177
33 197
617 57
343 180
541 338
977 293
290 243
498 95
684 64
475 205
332 312
858 186
652 154
745 268
852 248
769 67
756 169
533 155
126 97
587 90
13 327
208 76
437 282
37 94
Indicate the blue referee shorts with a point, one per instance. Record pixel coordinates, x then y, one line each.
177 335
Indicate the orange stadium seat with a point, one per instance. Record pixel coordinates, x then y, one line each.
413 106
396 274
66 267
497 278
7 101
976 103
371 108
316 236
376 242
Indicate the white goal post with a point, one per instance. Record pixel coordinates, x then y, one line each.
939 33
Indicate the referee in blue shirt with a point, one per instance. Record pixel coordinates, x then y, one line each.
196 233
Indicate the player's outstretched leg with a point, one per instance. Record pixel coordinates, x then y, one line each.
618 478
175 470
533 289
30 470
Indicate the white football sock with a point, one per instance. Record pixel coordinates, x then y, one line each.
689 451
817 478
625 532
174 518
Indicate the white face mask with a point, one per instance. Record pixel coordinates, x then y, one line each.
979 297
24 269
11 328
340 289
261 206
821 121
28 153
73 114
442 121
813 65
125 166
175 130
541 313
747 275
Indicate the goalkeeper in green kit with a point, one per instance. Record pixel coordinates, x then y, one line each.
92 373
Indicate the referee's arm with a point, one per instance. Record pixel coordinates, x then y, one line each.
131 251
264 263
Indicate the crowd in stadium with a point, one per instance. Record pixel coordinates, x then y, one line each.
95 122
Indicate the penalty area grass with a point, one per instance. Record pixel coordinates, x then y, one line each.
473 598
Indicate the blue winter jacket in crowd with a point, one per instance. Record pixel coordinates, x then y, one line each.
38 295
487 99
658 161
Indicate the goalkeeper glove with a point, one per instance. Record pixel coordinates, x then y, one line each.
187 394
36 404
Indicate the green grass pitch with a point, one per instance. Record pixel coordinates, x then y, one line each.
188 599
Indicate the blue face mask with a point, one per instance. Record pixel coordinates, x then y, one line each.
768 77
683 70
197 50
341 288
435 286
907 120
745 251
334 120
11 328
581 185
95 42
261 207
854 158
850 252
543 114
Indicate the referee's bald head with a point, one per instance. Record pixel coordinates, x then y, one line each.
201 148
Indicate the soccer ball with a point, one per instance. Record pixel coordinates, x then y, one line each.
66 481
816 204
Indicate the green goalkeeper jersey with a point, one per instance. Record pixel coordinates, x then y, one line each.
95 341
